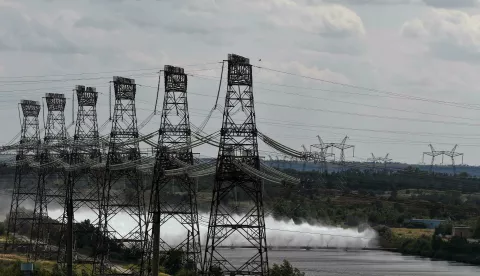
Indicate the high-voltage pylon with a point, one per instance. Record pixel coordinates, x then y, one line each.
173 198
323 154
374 160
26 178
82 186
238 144
450 153
122 191
342 147
54 142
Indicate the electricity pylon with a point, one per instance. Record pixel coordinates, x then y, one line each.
238 144
122 191
55 137
84 150
450 153
179 206
25 177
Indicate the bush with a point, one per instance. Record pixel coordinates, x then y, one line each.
476 233
285 269
2 228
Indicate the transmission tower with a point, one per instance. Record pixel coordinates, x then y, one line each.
323 154
25 177
54 143
122 192
342 147
434 153
179 205
238 143
374 160
78 195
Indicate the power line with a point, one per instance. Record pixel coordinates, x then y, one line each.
105 72
366 88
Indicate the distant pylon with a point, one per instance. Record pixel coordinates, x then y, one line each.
26 178
119 196
323 153
374 160
434 153
179 206
238 143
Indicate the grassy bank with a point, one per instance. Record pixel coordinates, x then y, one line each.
423 242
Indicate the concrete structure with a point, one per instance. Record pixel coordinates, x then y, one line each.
462 231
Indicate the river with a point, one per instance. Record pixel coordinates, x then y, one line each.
359 263
314 262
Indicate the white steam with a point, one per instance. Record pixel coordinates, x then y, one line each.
279 233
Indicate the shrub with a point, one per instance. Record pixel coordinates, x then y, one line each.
285 269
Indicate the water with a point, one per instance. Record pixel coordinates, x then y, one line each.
314 262
359 263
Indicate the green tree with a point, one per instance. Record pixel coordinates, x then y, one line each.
172 261
445 228
285 269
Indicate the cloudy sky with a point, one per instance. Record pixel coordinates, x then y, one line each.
393 75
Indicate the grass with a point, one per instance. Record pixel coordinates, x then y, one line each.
13 258
411 233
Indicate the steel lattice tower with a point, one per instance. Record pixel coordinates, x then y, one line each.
25 178
165 204
54 142
122 191
81 190
238 143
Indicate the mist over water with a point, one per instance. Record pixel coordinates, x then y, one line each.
279 233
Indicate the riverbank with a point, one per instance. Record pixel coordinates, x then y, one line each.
423 243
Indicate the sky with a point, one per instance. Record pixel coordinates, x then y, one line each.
392 75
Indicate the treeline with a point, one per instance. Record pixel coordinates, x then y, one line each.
436 246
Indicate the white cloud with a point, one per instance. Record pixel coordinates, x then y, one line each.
21 33
452 3
432 3
325 20
450 34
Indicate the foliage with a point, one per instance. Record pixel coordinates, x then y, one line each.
185 272
2 228
173 262
476 233
445 228
285 269
385 234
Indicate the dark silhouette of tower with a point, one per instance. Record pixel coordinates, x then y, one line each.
177 203
122 192
25 177
53 148
238 144
81 189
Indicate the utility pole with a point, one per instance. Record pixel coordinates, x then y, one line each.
238 143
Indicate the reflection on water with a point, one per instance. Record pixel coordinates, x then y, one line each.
359 263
